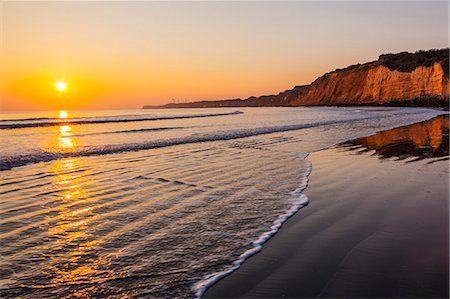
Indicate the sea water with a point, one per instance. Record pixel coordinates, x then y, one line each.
156 203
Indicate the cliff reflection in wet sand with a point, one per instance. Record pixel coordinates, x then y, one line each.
428 139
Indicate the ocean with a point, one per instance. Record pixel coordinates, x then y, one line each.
157 203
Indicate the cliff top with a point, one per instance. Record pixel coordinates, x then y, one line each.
407 62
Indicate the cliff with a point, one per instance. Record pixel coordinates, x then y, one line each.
405 79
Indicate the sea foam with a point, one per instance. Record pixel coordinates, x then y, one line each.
32 123
298 201
45 156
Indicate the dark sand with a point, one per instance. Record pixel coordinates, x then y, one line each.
377 224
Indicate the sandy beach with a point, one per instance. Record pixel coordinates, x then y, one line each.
376 225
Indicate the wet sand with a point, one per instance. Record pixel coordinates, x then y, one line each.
377 224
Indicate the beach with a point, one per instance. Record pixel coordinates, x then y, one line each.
376 224
224 149
163 203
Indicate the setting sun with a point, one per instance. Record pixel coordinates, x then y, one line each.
61 86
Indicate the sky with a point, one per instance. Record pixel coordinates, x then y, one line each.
123 55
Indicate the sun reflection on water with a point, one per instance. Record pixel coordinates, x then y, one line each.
65 130
75 256
63 114
65 139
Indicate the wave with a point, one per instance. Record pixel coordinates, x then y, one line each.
74 118
94 120
131 131
299 200
7 163
44 156
27 119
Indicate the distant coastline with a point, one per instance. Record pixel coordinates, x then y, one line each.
419 79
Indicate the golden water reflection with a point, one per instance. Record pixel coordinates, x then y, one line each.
63 114
74 254
65 139
428 139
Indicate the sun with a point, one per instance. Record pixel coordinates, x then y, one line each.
61 86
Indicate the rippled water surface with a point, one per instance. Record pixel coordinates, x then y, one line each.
156 202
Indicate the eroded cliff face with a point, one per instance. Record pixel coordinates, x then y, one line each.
383 85
375 83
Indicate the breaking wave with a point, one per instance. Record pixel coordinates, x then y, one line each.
44 156
26 123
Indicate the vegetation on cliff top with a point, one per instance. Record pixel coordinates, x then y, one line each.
403 61
408 62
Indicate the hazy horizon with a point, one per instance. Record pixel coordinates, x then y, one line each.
123 55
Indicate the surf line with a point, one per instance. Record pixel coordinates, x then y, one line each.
298 199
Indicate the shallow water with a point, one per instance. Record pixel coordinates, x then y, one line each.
156 202
376 226
428 139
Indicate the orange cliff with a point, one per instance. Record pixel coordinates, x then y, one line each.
403 79
375 84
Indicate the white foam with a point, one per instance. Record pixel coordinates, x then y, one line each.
46 122
402 117
299 200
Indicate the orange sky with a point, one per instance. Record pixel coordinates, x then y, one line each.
119 55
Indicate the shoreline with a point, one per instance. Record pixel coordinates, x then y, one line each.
292 257
444 107
299 200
